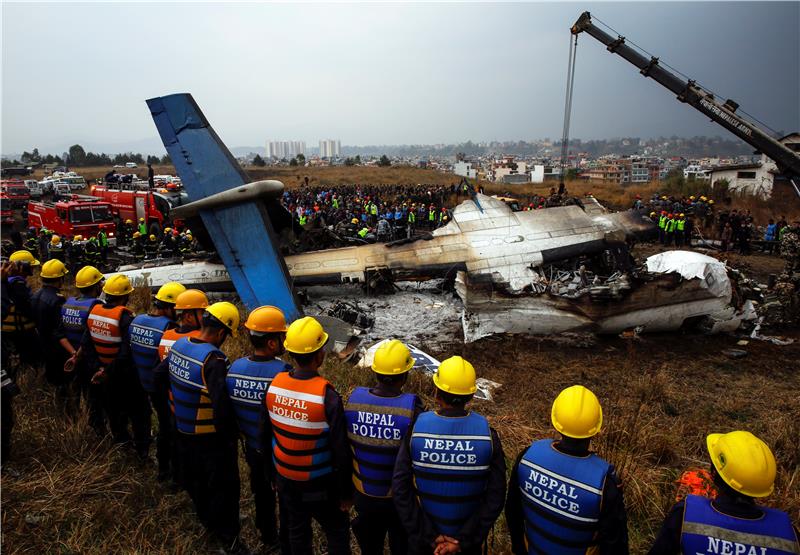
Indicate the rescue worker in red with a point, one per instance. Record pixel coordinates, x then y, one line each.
106 347
304 423
206 424
146 332
449 481
743 469
74 318
378 419
562 498
247 381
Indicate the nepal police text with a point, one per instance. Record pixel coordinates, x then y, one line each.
142 336
552 491
72 316
250 389
179 367
285 406
725 547
379 426
454 451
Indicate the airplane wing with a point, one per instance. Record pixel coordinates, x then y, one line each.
242 233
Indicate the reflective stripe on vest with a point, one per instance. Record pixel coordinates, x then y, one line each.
248 381
194 413
450 459
17 322
561 498
680 225
300 431
103 324
662 222
376 426
74 314
706 530
146 332
169 338
431 215
412 218
670 226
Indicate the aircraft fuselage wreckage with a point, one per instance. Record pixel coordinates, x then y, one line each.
552 270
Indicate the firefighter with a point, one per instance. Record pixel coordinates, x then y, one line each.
247 381
102 239
75 254
137 246
377 421
18 324
92 252
146 331
562 498
55 250
680 226
206 424
108 357
662 227
126 232
142 228
431 217
31 242
304 423
449 493
743 469
151 247
669 230
46 306
74 316
43 242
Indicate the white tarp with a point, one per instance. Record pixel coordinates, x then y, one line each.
691 265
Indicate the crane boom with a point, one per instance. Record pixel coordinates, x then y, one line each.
689 92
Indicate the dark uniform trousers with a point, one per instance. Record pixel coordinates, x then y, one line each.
160 403
376 518
127 401
264 498
301 503
211 477
94 395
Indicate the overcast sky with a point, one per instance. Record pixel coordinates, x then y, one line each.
381 73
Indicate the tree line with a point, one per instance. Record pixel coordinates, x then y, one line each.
76 156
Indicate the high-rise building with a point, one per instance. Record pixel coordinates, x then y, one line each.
285 149
330 148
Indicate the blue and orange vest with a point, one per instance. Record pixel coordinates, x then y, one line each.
194 413
247 382
300 431
450 458
145 333
104 328
561 499
74 314
376 427
706 530
169 338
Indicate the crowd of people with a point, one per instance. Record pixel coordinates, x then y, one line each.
431 479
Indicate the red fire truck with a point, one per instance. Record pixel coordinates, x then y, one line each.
130 202
16 192
6 213
79 216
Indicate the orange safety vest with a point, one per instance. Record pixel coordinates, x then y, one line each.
300 431
169 338
103 324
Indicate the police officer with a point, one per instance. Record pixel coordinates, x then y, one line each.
46 308
146 331
106 347
377 421
18 324
74 316
743 469
562 498
206 424
449 480
304 422
248 381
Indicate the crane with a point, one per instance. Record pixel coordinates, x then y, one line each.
691 93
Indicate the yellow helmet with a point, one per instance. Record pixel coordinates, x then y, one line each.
55 239
169 292
87 276
392 358
266 319
692 197
118 285
191 299
152 237
304 336
711 201
128 222
354 221
227 313
457 376
167 229
78 237
53 269
577 413
703 197
744 462
23 256
141 220
136 234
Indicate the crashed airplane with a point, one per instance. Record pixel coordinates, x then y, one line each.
553 270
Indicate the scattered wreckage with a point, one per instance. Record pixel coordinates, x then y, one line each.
560 269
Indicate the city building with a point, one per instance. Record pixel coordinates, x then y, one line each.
508 166
541 173
465 169
285 149
330 148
